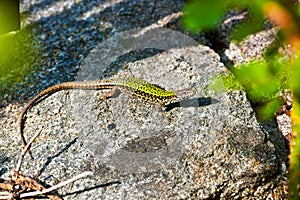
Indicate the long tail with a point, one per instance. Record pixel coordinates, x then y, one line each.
35 100
62 86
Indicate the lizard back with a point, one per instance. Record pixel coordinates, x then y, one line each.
135 87
144 90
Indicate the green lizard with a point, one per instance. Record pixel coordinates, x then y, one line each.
132 86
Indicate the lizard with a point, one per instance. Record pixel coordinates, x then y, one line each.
135 87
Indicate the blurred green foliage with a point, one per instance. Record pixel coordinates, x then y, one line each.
19 51
262 79
197 17
9 16
262 84
206 14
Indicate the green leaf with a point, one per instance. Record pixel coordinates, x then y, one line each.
257 80
203 14
267 111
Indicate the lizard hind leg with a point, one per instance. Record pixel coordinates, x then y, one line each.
107 95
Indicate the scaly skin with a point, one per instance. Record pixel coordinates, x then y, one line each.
145 91
132 86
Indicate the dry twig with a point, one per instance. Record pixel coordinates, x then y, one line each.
21 186
25 150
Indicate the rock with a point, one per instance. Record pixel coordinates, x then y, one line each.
209 146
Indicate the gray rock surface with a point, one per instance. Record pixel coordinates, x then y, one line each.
209 146
252 47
